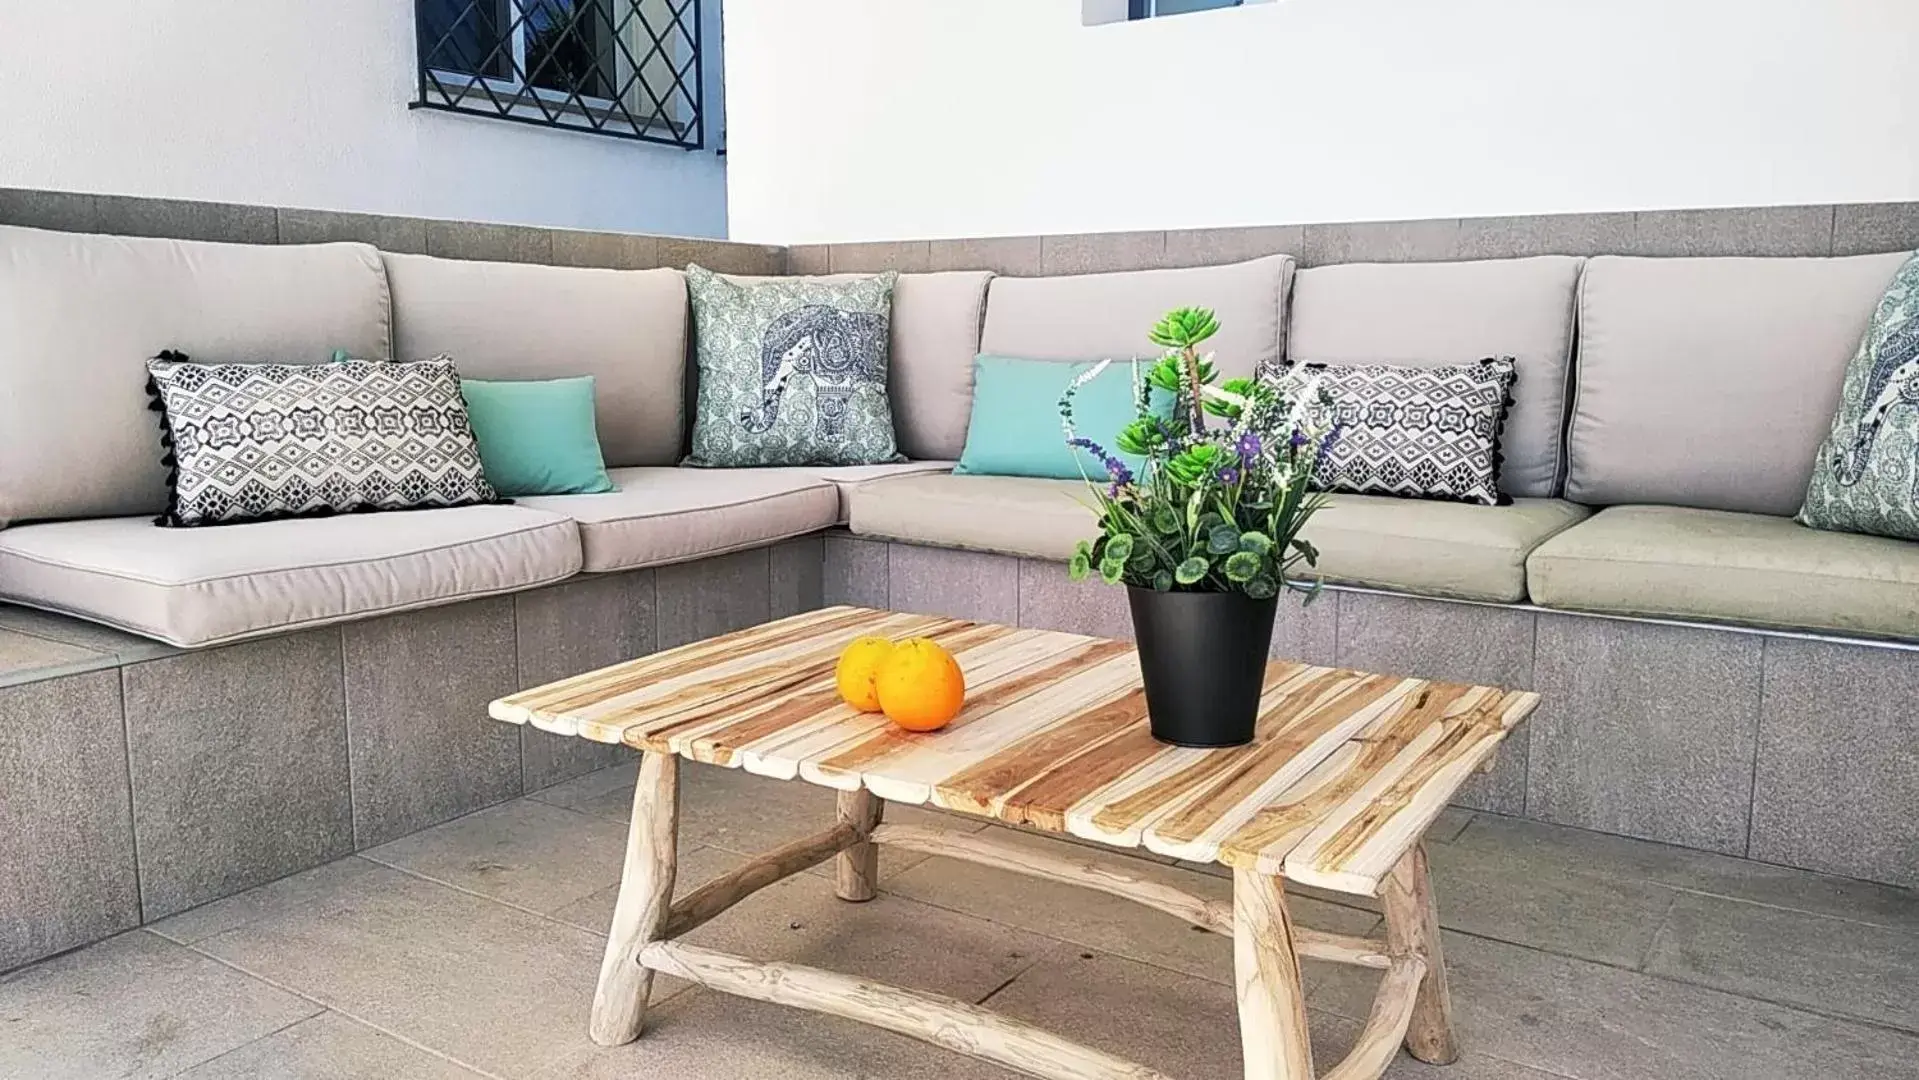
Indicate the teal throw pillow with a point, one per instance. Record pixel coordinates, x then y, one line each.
1016 428
537 438
1866 478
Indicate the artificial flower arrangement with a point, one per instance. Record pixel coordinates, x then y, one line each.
1218 506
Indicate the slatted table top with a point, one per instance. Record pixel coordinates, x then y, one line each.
1346 771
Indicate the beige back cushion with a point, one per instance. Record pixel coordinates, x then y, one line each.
935 336
626 328
1711 382
80 315
1426 314
1107 316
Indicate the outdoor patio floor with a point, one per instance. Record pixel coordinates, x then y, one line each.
471 949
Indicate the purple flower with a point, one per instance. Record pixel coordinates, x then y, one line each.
1116 470
1326 448
1229 474
1298 440
1249 447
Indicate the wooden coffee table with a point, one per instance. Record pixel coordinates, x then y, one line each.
1346 773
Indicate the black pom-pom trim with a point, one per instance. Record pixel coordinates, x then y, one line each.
1499 429
170 519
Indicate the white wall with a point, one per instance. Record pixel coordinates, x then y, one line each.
303 103
894 119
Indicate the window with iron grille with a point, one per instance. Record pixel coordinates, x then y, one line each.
628 68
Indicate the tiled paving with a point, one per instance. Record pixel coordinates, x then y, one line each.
470 950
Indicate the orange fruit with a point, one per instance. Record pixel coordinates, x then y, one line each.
920 686
858 669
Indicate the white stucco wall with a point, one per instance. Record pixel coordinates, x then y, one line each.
890 119
303 103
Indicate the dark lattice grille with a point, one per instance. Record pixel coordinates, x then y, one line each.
629 68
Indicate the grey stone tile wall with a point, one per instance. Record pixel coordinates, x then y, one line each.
1836 786
489 241
30 658
725 257
714 596
1017 256
180 219
796 576
573 627
272 714
400 234
417 686
127 215
807 260
1845 229
615 251
67 874
1209 247
1645 730
226 768
907 257
67 211
1086 253
856 571
1776 230
959 584
1872 227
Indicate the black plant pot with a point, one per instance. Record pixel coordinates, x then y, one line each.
1203 657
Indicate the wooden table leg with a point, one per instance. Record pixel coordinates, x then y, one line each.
646 896
857 869
1272 1001
1412 927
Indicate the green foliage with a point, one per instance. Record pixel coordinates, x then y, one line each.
1183 328
1141 437
1194 463
1219 503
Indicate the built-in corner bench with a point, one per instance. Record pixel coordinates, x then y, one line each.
236 704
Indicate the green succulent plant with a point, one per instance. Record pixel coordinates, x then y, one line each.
1216 508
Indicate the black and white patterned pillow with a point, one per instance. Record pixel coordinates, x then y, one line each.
254 442
1416 432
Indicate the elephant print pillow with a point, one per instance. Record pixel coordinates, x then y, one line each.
1866 478
792 371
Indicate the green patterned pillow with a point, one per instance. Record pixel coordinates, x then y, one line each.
1866 479
792 371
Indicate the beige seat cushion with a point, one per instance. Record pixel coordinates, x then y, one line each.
1008 515
1425 314
626 328
80 315
848 477
1727 567
224 583
1430 548
1435 548
671 515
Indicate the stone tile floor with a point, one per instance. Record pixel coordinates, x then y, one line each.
470 950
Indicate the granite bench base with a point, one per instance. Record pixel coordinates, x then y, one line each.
138 780
141 780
